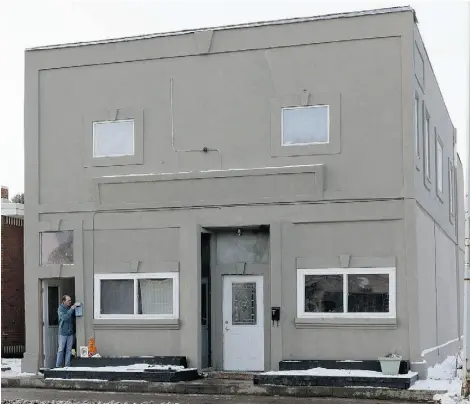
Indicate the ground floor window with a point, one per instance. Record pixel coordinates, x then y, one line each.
346 292
137 296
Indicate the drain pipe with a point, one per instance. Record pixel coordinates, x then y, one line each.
466 286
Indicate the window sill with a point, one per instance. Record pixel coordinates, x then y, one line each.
377 323
137 324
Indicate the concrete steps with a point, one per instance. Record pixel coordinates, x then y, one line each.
391 382
167 369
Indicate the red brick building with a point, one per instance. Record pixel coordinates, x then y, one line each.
12 276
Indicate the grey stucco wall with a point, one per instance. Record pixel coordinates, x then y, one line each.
439 296
206 90
157 339
460 222
319 245
431 100
438 234
135 251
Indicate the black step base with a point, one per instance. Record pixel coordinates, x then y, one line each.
373 365
156 375
335 381
129 360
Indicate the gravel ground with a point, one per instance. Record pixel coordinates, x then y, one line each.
19 401
45 396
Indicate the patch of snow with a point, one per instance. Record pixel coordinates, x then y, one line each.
447 370
134 381
15 369
336 372
445 377
77 380
138 367
127 356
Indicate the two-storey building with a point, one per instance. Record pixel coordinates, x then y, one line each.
188 186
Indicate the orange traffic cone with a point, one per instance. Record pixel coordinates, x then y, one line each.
91 347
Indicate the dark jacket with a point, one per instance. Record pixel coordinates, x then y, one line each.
65 320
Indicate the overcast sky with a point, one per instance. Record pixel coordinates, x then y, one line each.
444 26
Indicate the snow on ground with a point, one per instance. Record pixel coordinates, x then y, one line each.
335 372
138 367
15 368
445 376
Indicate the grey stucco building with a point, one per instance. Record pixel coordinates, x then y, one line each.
182 185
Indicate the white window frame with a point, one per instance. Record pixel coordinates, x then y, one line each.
391 272
427 145
306 107
439 173
451 188
113 155
416 125
135 277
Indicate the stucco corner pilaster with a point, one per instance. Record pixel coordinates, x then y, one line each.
411 288
190 297
276 243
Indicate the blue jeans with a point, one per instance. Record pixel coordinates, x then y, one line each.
65 344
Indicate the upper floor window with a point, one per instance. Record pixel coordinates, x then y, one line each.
419 66
56 247
113 138
305 125
416 125
427 147
451 188
439 166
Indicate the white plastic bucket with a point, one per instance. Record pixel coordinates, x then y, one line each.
390 366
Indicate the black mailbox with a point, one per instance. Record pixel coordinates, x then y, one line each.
275 314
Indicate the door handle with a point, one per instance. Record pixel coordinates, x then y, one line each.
226 328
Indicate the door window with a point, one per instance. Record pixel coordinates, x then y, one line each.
244 303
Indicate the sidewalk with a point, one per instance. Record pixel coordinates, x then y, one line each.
443 385
43 396
220 387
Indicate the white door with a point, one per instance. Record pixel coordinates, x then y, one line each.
205 322
52 292
243 323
